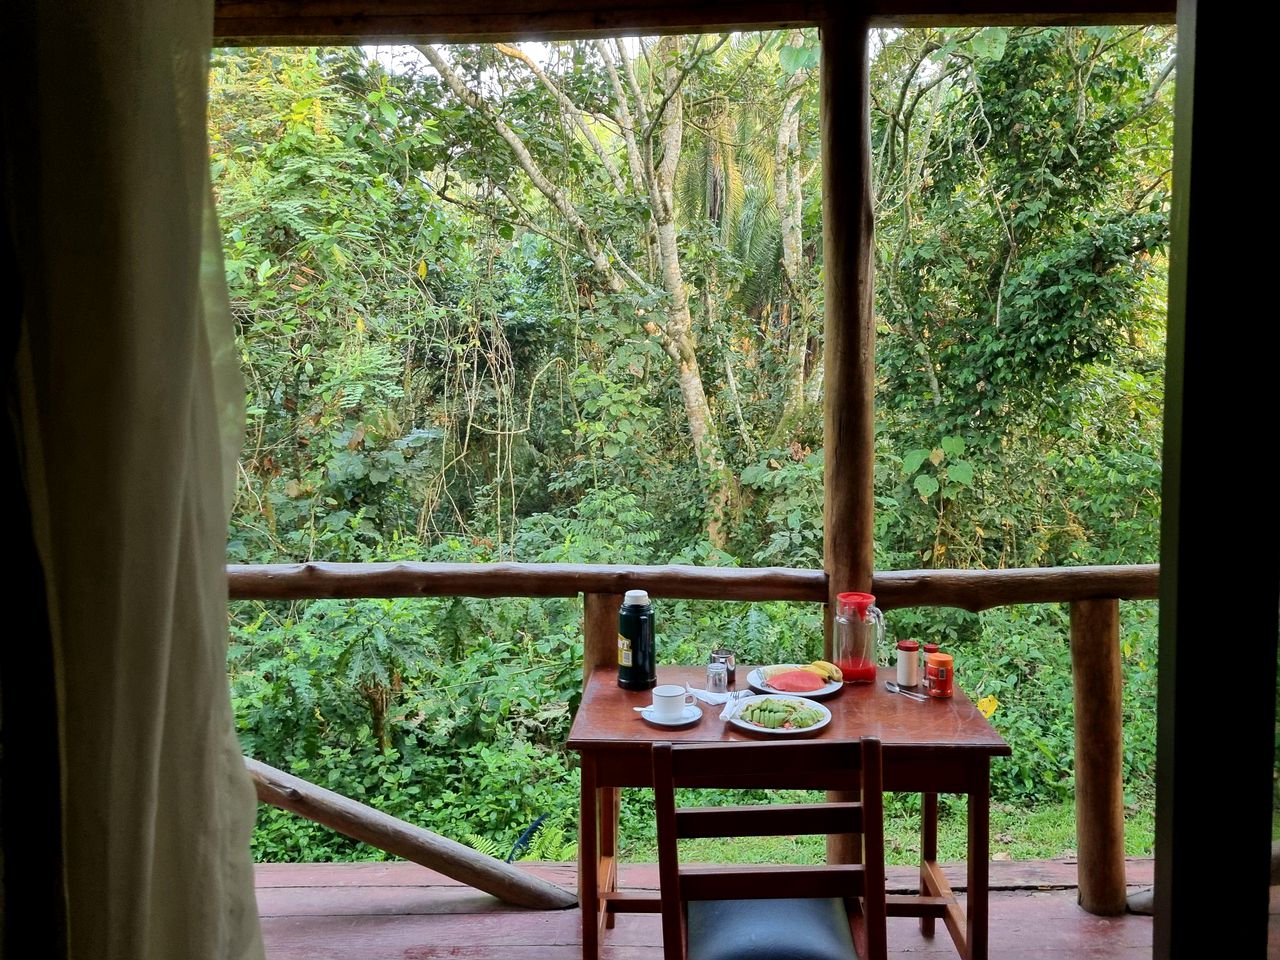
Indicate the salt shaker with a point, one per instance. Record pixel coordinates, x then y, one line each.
717 677
908 663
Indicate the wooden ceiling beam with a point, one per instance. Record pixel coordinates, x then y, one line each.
294 22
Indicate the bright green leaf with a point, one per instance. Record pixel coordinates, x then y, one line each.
960 471
989 44
912 461
926 486
793 59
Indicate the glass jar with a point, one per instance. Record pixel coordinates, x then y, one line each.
859 629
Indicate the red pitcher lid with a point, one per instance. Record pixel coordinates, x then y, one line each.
853 600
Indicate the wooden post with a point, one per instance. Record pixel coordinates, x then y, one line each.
599 631
1095 674
364 823
849 330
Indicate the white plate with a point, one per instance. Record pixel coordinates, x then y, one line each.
757 683
691 714
744 725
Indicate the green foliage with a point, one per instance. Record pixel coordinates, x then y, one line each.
435 369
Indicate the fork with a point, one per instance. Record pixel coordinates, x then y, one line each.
728 713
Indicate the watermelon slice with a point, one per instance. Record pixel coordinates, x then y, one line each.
796 681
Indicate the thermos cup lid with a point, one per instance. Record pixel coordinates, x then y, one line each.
636 598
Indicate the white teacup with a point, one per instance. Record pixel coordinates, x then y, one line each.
669 701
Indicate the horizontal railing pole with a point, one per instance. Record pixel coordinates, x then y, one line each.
977 590
350 580
967 589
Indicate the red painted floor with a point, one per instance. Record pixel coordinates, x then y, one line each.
381 911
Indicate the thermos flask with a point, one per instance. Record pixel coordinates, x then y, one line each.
637 657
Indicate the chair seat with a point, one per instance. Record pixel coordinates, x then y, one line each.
769 930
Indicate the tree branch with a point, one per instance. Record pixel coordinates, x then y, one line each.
675 87
571 109
625 120
529 165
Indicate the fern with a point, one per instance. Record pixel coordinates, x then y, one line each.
486 845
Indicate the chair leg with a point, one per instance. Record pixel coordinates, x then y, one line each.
928 850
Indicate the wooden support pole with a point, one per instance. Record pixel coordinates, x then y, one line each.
849 331
599 631
1096 679
364 823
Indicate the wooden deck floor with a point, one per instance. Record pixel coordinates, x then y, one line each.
400 911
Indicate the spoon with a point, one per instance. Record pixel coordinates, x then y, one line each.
894 688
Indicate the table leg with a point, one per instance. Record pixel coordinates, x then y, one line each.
610 808
588 861
979 856
928 850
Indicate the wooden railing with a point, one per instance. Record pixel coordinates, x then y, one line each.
1093 592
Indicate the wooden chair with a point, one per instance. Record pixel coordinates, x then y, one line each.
772 912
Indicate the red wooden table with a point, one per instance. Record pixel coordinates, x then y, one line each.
944 746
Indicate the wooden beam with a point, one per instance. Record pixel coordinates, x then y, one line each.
364 823
1015 13
266 22
976 590
848 238
301 581
599 631
967 589
1099 725
849 336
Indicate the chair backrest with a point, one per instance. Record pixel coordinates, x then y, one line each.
852 770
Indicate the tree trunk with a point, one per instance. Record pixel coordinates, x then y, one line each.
797 307
663 134
679 328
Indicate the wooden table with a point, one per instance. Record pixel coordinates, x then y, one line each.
944 746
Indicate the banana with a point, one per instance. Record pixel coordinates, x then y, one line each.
827 669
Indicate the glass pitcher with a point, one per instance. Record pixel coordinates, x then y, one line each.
859 632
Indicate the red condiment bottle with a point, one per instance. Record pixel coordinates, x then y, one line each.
925 650
939 674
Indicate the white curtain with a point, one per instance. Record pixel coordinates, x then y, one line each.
128 418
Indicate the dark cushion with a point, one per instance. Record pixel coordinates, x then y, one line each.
769 930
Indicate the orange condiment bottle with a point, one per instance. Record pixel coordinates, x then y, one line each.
938 674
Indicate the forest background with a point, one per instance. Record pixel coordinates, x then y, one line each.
563 303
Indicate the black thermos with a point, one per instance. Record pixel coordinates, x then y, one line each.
637 656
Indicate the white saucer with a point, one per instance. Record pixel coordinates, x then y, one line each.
692 714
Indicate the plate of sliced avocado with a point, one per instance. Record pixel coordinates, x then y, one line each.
779 715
